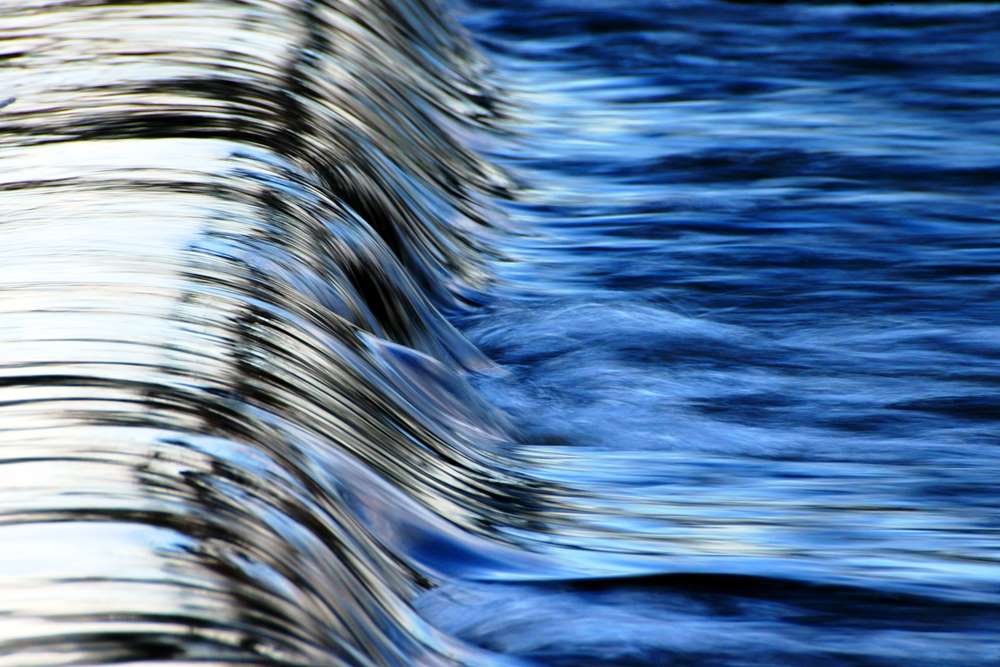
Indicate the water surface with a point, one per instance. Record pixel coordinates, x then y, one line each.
589 333
751 328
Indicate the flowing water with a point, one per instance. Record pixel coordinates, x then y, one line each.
384 332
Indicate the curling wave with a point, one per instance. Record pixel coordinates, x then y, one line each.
235 424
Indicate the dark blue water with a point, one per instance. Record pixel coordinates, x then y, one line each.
752 329
512 333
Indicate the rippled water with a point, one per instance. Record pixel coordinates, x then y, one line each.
590 333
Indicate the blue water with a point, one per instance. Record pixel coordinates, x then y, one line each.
749 317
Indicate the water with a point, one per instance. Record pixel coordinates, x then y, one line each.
615 333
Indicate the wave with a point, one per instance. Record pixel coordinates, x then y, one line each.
236 425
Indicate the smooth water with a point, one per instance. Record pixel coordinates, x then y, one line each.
581 333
